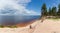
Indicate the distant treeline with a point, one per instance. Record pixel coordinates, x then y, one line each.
52 11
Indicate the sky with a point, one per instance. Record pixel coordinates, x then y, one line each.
25 7
37 4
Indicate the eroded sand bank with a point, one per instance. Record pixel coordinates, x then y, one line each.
47 26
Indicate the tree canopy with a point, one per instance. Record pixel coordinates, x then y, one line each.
44 10
52 11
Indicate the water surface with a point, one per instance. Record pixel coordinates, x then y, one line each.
15 19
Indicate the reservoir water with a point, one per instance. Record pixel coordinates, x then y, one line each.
15 19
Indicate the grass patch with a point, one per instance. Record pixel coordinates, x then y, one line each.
8 26
1 26
54 18
12 26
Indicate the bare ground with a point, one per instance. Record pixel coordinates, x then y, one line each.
48 26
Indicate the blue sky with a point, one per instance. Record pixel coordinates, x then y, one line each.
25 7
37 4
18 7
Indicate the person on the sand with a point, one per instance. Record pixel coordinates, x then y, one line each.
30 27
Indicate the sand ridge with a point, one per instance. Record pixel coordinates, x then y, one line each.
47 26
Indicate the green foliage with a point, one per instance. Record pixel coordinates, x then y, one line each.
1 26
12 26
58 13
44 10
54 11
49 12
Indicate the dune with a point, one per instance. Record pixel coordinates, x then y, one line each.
47 26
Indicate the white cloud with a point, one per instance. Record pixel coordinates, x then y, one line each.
18 5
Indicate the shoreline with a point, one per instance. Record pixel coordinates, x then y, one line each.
26 24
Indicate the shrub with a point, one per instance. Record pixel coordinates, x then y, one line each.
1 26
12 26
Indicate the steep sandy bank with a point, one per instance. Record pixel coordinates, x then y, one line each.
47 26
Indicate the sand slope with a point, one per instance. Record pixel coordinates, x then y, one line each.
48 26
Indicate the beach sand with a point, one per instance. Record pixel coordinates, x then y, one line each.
47 26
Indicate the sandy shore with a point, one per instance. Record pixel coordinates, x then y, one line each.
47 26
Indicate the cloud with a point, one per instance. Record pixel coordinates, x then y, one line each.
9 7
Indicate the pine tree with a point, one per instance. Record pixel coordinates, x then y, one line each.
54 11
50 12
44 10
58 13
